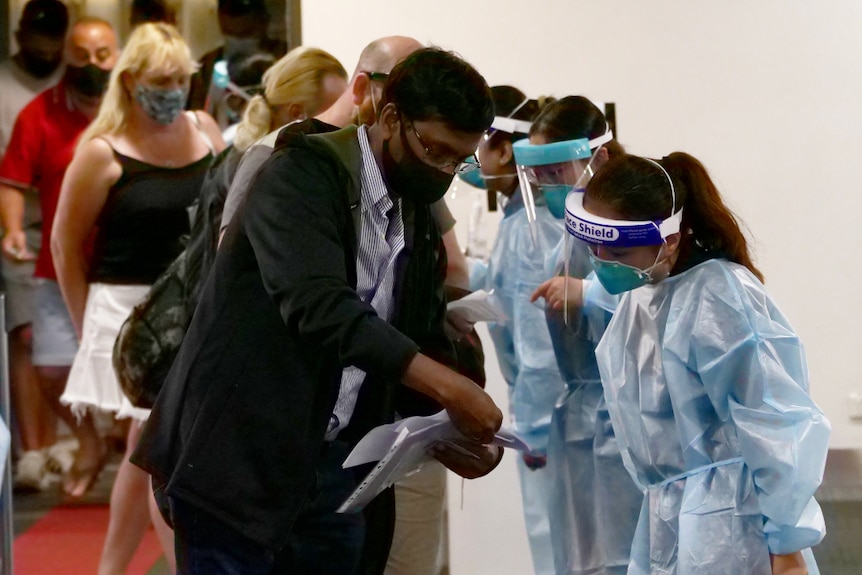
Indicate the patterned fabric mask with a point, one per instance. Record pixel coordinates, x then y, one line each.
162 105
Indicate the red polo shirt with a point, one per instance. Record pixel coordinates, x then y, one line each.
41 148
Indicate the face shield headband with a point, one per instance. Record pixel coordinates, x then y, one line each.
507 125
620 233
531 159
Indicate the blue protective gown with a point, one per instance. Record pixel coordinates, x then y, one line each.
523 346
594 504
707 388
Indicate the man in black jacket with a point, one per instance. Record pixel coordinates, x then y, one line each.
314 313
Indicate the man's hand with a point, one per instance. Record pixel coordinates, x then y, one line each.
471 410
555 292
15 247
791 564
467 459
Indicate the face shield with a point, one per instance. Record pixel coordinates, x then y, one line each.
548 172
617 277
506 125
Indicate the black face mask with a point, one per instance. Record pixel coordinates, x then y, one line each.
89 80
412 178
37 66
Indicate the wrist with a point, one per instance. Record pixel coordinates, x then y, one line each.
433 379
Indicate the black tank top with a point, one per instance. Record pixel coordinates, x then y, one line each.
145 219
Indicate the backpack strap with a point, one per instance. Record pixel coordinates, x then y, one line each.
345 147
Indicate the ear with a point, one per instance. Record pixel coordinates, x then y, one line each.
601 157
390 121
672 242
128 82
360 88
506 153
296 111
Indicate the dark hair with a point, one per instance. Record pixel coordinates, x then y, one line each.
509 102
639 190
241 7
571 118
248 69
151 11
47 17
433 84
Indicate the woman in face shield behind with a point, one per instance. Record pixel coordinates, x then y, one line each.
594 504
521 341
705 379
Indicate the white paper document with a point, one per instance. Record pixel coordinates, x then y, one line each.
401 449
479 305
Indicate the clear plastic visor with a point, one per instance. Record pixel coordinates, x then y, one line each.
547 173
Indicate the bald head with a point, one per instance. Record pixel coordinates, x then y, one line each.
92 41
382 54
357 104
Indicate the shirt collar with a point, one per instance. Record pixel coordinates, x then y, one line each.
374 189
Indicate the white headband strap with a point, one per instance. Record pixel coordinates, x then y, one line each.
511 125
601 140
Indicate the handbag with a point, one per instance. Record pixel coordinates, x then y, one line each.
149 339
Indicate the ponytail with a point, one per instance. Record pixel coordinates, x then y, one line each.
256 121
707 223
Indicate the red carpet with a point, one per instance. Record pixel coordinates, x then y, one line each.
68 541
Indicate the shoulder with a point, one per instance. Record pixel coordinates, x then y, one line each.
723 289
97 150
36 109
96 159
720 274
208 125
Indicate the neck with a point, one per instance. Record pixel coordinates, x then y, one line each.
375 140
84 104
140 122
508 186
338 114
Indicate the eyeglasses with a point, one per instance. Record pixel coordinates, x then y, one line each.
442 161
377 76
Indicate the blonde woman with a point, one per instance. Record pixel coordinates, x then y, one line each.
302 84
136 170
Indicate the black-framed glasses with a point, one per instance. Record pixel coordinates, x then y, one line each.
377 76
443 161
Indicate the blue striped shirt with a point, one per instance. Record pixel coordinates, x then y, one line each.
380 242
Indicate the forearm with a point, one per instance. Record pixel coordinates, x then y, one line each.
431 378
71 268
11 209
471 409
457 270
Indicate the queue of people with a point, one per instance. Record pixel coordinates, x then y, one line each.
661 393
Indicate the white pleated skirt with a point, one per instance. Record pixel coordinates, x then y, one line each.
92 383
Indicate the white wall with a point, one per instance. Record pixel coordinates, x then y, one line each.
765 93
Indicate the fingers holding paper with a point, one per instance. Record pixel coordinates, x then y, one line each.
471 410
466 458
